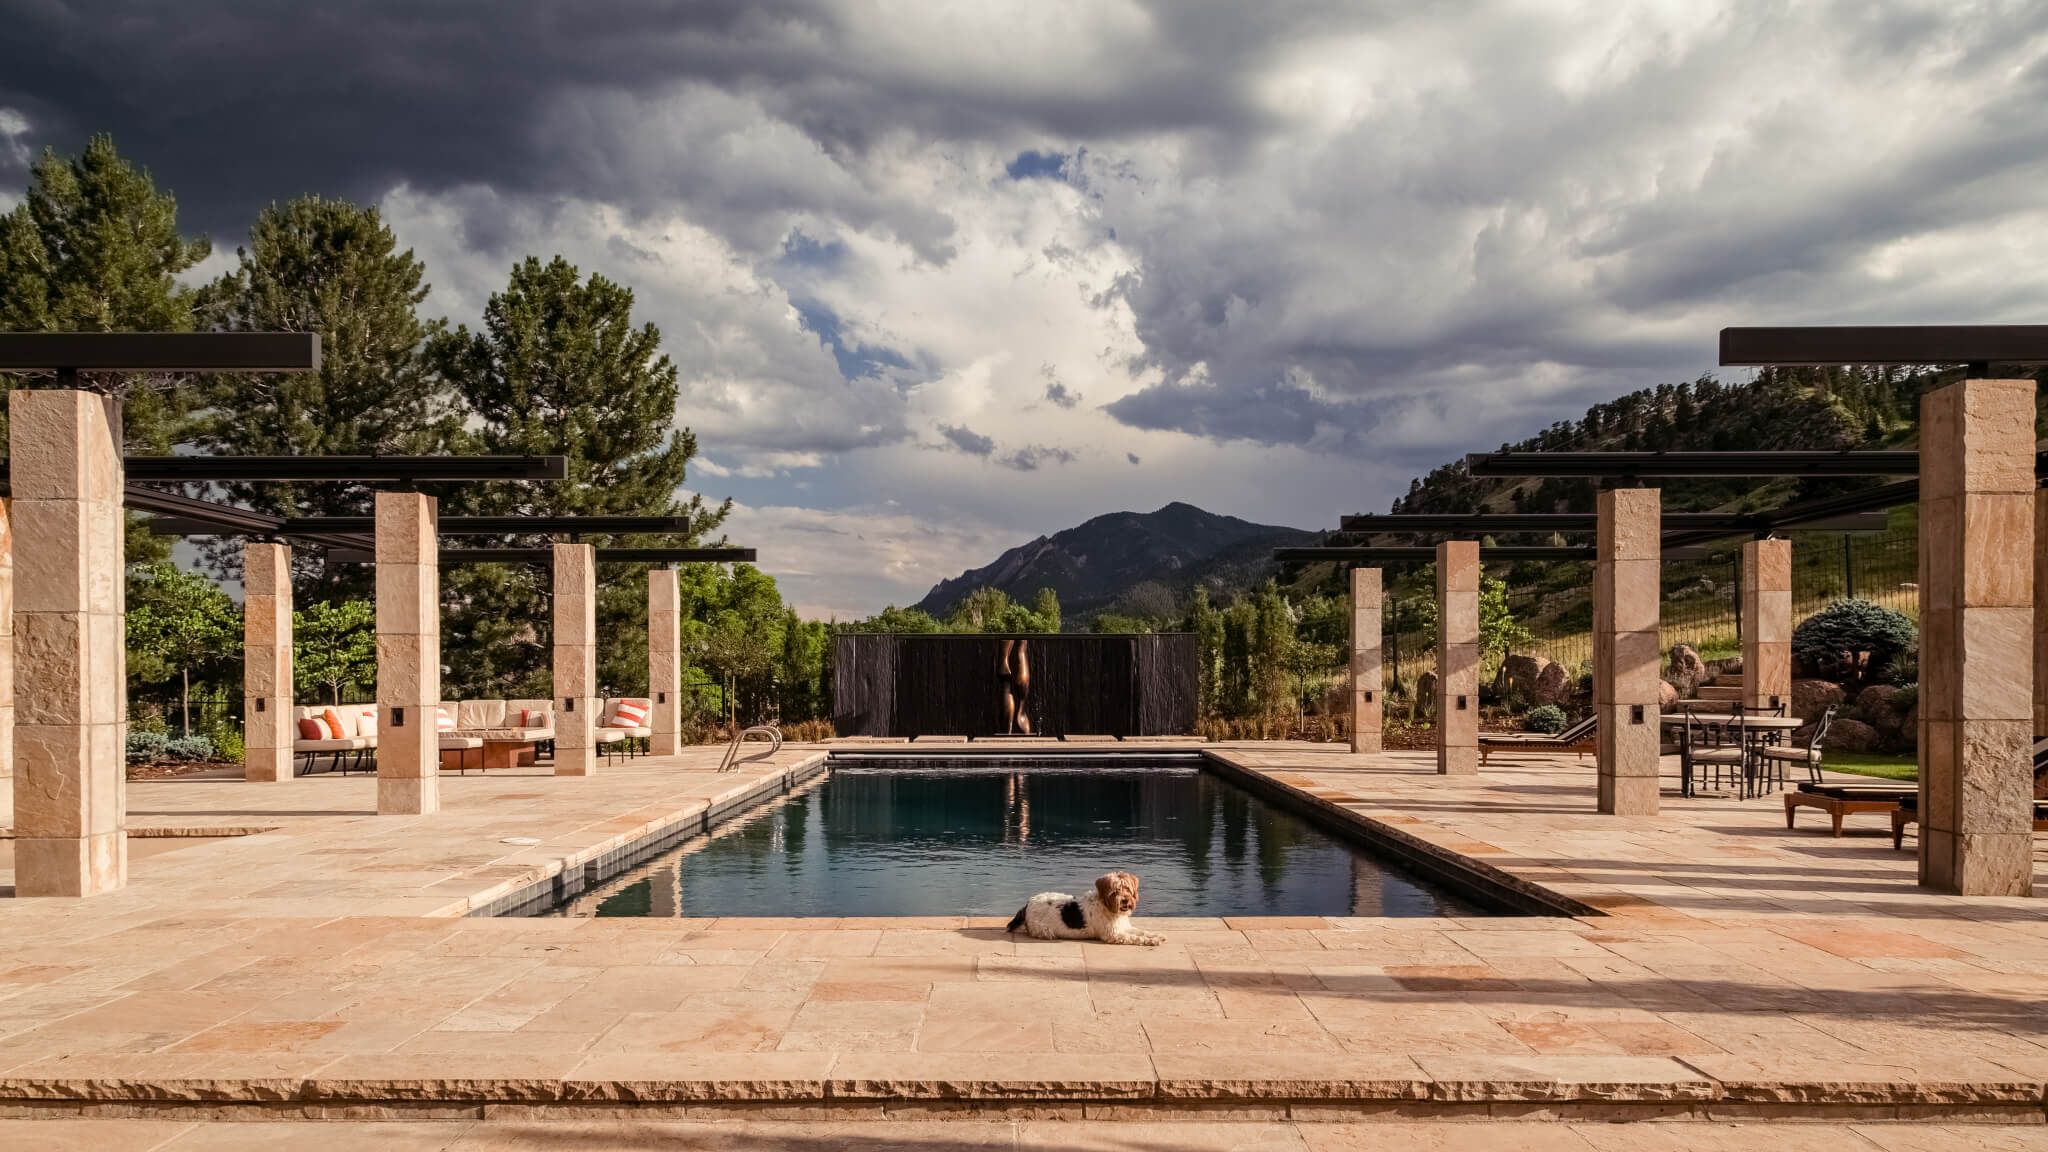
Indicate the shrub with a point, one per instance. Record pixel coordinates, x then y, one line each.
1547 718
227 743
189 748
1849 638
146 745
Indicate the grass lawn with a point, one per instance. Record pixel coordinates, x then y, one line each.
1890 765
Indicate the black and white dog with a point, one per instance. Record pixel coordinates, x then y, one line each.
1104 914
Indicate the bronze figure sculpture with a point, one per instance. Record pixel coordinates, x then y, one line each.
1013 668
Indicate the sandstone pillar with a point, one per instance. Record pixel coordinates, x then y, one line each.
1457 658
1977 493
2040 613
267 662
1367 677
1767 624
6 662
665 661
576 699
408 654
70 733
1625 649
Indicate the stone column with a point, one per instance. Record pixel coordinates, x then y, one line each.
1767 624
576 699
2040 613
1367 677
70 733
1457 658
1977 495
7 662
665 660
266 662
1625 649
408 654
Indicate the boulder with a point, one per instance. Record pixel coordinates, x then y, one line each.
1686 666
1732 666
1851 736
1810 698
1518 676
1425 694
1667 696
1553 686
1877 703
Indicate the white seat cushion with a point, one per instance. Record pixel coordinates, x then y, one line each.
610 735
451 742
348 744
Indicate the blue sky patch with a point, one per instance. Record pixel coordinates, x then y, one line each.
1038 165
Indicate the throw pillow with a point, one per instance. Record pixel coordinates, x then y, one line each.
443 722
534 718
312 729
333 723
366 723
629 714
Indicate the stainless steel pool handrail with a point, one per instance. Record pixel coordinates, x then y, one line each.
733 750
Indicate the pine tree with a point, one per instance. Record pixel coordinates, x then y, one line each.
94 247
558 368
331 267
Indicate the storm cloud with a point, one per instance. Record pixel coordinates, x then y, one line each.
1289 253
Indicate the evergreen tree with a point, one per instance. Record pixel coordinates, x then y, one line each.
94 247
331 267
558 368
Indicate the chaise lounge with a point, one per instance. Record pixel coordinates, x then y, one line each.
1577 738
1909 806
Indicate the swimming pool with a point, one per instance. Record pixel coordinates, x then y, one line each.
977 836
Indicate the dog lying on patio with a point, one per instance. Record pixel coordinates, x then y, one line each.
1104 914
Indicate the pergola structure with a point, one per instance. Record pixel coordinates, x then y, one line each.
69 484
1984 667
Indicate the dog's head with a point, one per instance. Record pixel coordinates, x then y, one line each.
1118 892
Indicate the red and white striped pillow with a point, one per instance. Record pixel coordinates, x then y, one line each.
443 722
629 714
534 718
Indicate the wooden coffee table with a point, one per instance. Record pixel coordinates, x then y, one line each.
505 747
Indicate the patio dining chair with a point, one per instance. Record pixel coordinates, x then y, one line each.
1700 749
1774 757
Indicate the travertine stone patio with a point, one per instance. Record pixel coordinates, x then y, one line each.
1743 971
1072 1134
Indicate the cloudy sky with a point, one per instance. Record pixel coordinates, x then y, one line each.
942 277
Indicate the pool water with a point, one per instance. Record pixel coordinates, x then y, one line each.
943 839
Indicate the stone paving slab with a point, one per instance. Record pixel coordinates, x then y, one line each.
1740 968
1080 1134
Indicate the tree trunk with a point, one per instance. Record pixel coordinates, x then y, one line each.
185 700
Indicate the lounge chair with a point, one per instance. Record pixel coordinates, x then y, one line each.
1909 805
1577 738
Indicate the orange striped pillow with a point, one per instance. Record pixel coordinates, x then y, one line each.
629 714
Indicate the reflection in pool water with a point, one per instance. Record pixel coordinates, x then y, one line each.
936 842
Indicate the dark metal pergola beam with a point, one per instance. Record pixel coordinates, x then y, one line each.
159 351
451 556
1972 344
336 469
510 525
1398 554
1673 465
1499 522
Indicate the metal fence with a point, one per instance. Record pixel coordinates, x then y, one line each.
1700 601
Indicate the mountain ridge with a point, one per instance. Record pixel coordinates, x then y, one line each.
1136 561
